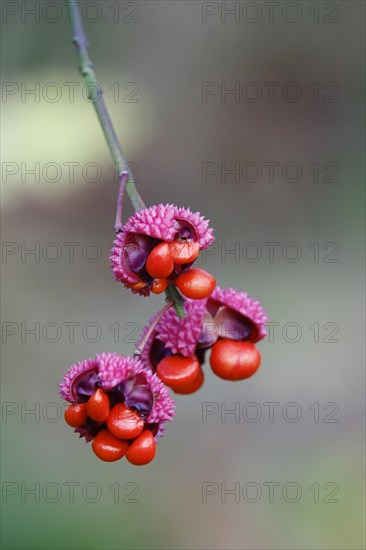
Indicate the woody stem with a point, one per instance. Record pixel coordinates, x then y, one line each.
95 94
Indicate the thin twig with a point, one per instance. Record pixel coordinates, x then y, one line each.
144 341
118 223
95 94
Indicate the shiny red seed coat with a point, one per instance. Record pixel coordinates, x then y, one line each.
196 284
159 286
108 447
233 360
98 407
142 450
193 386
177 371
184 252
159 263
75 415
124 423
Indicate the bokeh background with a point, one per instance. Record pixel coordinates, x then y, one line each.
161 60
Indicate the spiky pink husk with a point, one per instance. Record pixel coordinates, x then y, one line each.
112 369
156 221
201 225
181 335
159 222
72 374
240 302
121 274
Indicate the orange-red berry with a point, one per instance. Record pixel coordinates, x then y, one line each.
233 360
193 386
196 284
142 450
107 447
184 252
98 407
75 415
159 263
177 371
136 286
159 286
124 422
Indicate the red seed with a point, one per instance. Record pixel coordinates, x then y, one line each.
177 371
159 263
75 415
107 447
196 284
159 286
142 450
136 286
233 360
98 407
193 386
184 252
124 422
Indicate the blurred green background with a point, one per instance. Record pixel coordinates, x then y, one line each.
159 55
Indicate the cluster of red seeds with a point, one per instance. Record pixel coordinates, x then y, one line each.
230 360
121 403
163 261
120 430
153 252
222 330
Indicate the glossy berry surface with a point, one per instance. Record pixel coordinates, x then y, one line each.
159 263
142 450
107 447
159 285
193 386
176 371
233 360
196 284
97 407
184 252
124 423
75 415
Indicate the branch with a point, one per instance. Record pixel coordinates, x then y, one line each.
145 340
95 94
